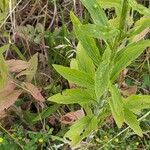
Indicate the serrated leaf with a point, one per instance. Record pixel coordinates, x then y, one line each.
84 62
97 13
138 7
132 121
75 76
116 105
102 77
87 42
136 103
81 129
127 55
72 96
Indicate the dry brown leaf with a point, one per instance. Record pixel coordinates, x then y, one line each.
8 89
122 76
71 117
9 99
34 91
128 91
17 65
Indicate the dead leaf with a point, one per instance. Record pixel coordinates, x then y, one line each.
34 91
122 76
17 65
8 88
9 99
71 117
128 91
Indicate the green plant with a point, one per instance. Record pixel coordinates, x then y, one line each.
105 48
4 8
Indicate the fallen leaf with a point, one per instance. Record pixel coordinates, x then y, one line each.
128 91
7 89
122 76
9 99
71 117
34 91
17 65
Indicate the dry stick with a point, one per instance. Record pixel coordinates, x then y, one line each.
10 13
144 116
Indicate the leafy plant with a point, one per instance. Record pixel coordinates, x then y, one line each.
105 48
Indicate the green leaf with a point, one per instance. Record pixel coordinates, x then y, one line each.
4 48
87 42
116 105
75 76
127 55
98 31
74 64
81 129
132 121
139 26
136 103
85 63
97 13
112 4
102 77
72 96
46 112
3 72
138 7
